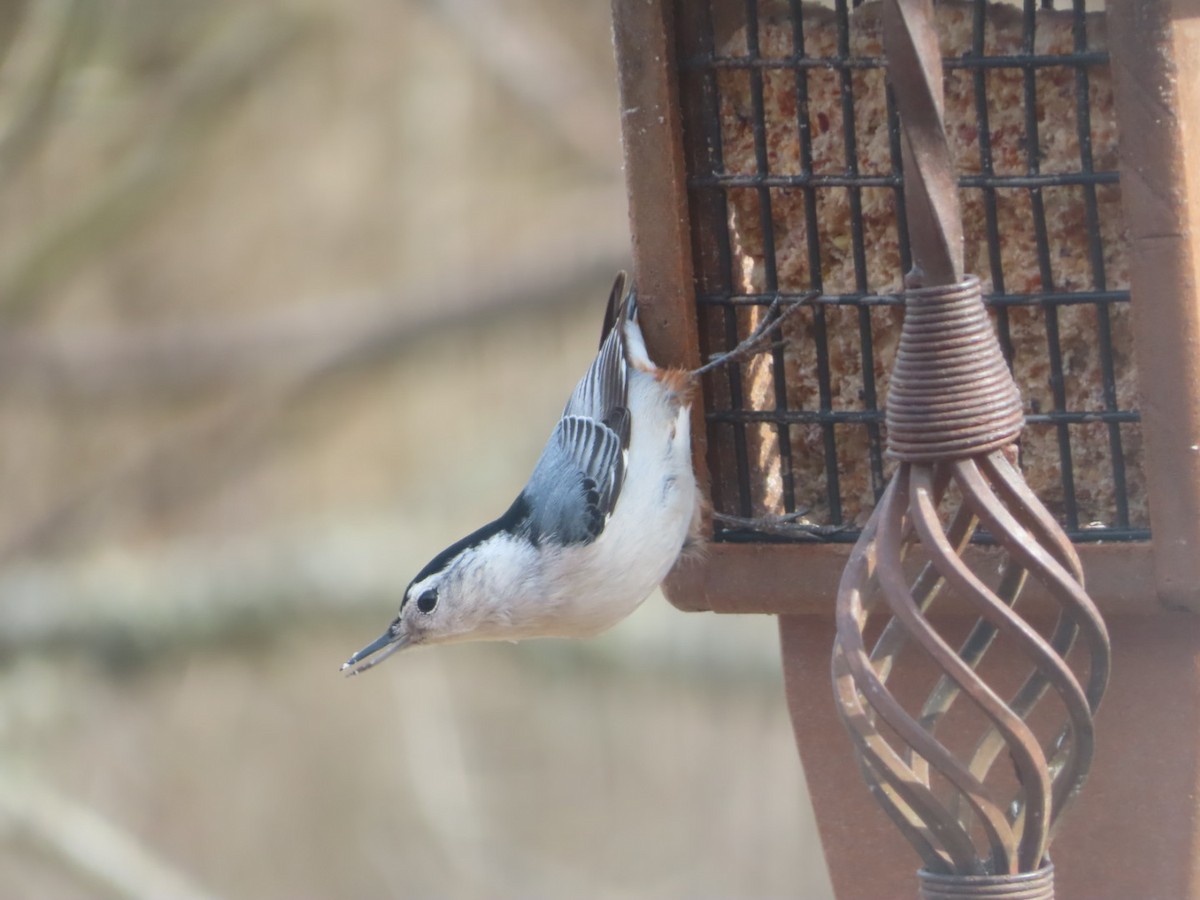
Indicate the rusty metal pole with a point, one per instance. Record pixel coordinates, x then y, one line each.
954 415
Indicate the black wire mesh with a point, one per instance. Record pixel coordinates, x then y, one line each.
795 185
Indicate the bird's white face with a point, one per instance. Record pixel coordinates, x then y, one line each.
441 607
434 610
469 595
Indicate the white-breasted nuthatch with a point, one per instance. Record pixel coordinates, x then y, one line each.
610 506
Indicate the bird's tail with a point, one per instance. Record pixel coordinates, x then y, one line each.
622 305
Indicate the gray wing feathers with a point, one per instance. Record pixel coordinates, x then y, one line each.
577 481
575 485
602 388
598 453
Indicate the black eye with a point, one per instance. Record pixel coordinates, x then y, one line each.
427 601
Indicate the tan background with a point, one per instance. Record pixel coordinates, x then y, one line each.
290 295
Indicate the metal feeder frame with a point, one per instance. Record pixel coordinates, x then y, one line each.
1133 830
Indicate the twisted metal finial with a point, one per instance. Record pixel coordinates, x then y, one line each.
1014 827
930 193
954 415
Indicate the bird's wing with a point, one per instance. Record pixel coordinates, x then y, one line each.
602 388
577 481
575 484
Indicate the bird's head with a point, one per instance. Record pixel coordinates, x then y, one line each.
464 593
423 616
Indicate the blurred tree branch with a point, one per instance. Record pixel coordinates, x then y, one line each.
538 68
125 610
136 363
194 104
219 445
86 843
30 123
10 26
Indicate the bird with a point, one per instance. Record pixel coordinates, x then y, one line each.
611 505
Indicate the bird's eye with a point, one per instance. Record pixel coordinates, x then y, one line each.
427 601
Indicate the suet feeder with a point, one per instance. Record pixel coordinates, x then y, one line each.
979 444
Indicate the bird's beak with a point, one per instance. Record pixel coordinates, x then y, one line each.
395 638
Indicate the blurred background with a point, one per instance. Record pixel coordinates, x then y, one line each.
292 293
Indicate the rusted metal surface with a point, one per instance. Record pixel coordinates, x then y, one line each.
656 180
951 389
1037 885
930 187
1014 828
786 579
1156 73
954 415
1132 832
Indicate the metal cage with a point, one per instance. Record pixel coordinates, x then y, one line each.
794 179
763 161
